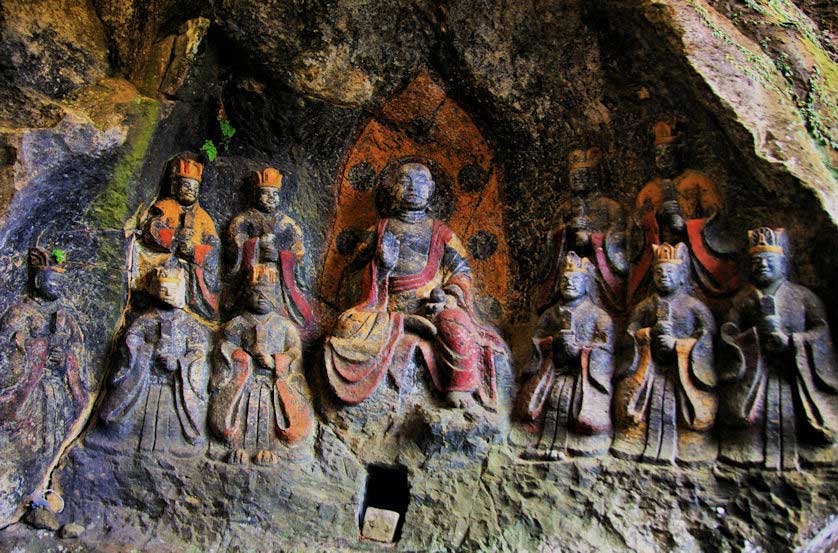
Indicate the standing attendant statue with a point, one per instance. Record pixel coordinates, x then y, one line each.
179 228
665 403
264 234
417 295
157 396
44 379
569 396
778 367
259 406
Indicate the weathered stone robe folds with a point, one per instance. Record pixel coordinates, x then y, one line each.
44 380
166 220
776 405
666 405
370 338
607 249
714 271
149 407
245 232
571 397
254 407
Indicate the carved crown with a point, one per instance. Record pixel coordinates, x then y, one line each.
765 239
583 159
663 133
667 253
189 169
39 258
269 177
262 274
574 264
170 272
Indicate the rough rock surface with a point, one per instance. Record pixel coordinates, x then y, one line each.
97 96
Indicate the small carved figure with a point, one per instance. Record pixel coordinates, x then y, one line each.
592 225
685 208
571 390
44 380
179 228
157 396
264 234
417 295
778 366
259 404
665 403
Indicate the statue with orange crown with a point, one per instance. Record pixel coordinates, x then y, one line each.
265 234
178 228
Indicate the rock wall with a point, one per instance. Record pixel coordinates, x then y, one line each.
98 96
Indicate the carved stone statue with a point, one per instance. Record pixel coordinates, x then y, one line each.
44 379
665 403
778 366
593 226
258 380
157 396
570 394
179 228
417 294
264 234
685 208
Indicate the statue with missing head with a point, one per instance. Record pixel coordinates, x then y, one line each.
777 366
417 297
157 394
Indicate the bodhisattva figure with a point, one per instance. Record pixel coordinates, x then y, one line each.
44 380
778 366
593 226
259 404
665 403
179 228
264 234
417 293
570 394
683 207
157 396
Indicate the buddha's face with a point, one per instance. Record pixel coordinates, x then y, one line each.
172 291
267 198
665 159
573 285
261 299
582 179
49 283
667 277
186 190
766 268
414 187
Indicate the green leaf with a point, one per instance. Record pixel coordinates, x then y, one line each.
210 149
227 130
59 255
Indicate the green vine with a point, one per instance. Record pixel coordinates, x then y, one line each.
227 132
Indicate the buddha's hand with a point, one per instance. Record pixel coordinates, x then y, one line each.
388 252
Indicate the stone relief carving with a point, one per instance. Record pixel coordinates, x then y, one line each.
665 402
570 392
179 228
259 404
417 294
264 234
593 226
683 207
778 366
157 394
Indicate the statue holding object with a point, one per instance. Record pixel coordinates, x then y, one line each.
569 396
778 367
417 295
665 403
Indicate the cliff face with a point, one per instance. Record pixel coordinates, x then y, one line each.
98 95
